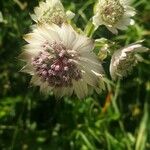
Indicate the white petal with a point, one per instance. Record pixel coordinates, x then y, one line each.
50 33
130 11
35 80
26 56
97 21
80 88
68 36
32 49
124 21
33 17
135 48
45 88
83 44
113 30
58 92
68 91
70 14
34 38
112 70
89 55
90 79
92 66
28 69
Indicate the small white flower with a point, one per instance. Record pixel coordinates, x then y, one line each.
114 14
51 11
123 60
62 61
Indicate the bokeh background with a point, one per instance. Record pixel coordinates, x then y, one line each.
118 119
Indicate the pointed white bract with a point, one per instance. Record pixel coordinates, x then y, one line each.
123 60
114 14
61 60
51 11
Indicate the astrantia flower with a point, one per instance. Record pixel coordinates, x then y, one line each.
51 11
62 61
125 59
114 14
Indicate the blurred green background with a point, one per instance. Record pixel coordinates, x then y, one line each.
30 121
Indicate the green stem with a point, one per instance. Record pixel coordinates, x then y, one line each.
90 29
17 127
116 109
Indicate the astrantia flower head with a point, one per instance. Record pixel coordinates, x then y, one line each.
125 59
114 14
51 11
62 61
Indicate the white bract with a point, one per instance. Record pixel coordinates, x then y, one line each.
62 61
123 60
51 11
114 14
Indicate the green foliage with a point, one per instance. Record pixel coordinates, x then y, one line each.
29 121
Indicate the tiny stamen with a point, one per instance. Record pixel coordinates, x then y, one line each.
53 65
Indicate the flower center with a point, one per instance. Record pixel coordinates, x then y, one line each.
128 62
54 15
111 11
55 65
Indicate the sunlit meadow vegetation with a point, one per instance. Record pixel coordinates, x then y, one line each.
117 119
